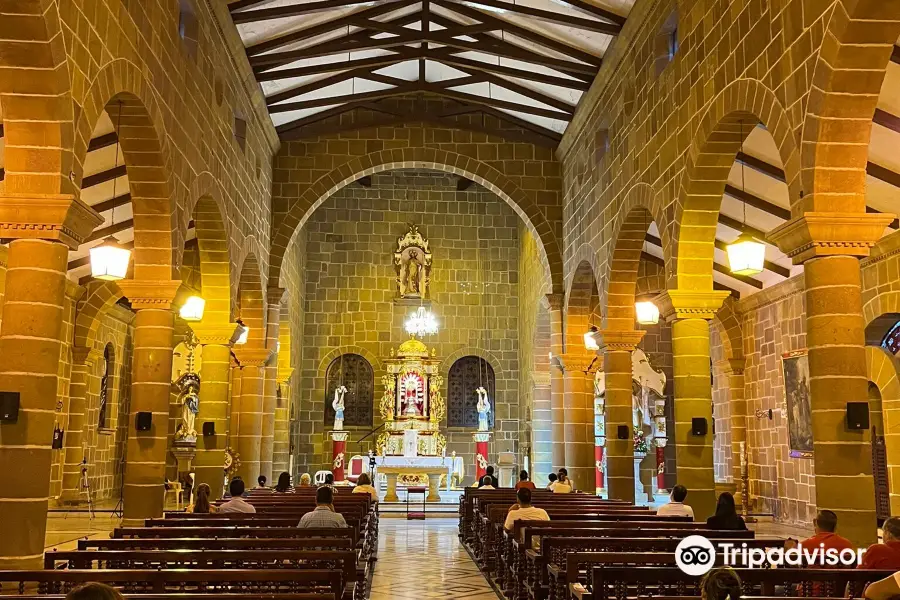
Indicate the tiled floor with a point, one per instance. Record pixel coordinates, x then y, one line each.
421 560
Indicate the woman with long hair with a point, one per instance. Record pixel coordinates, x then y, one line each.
364 486
284 483
726 516
201 503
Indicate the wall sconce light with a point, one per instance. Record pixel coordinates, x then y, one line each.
241 335
764 414
591 341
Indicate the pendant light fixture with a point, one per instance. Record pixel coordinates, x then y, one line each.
645 312
746 254
109 260
192 309
591 341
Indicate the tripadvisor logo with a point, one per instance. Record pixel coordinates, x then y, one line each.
695 555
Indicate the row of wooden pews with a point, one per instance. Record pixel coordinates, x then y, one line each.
595 549
219 556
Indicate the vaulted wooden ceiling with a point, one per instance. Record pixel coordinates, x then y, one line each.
527 62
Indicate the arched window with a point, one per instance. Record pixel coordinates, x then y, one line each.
356 374
466 375
104 386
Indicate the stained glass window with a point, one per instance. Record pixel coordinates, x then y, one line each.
356 374
466 375
891 340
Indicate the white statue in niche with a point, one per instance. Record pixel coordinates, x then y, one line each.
412 258
484 409
189 386
338 405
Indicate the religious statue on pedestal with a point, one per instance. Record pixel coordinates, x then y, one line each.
484 409
338 406
189 384
412 258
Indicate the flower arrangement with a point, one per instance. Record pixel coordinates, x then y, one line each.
640 444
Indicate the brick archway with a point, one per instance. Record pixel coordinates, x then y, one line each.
120 86
419 158
99 297
635 216
208 211
728 325
251 303
582 307
721 132
882 370
36 101
848 77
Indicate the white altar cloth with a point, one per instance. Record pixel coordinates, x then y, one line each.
426 462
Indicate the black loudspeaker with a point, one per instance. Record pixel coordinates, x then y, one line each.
209 428
9 407
858 416
144 421
698 426
622 432
58 435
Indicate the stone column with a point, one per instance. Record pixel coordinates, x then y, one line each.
733 371
691 313
829 246
619 453
557 391
30 346
270 386
84 361
542 429
579 418
234 413
281 456
250 411
151 380
214 400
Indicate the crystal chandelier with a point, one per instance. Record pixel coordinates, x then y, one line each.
421 323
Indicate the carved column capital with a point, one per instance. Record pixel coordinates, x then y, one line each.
59 217
252 357
584 363
734 366
216 334
540 379
690 304
148 293
555 301
622 340
828 234
284 374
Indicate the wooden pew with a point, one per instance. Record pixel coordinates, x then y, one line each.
315 543
177 596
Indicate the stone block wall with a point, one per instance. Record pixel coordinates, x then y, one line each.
722 453
351 290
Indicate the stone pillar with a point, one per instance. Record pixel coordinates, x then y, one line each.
691 312
579 418
733 371
84 361
619 453
270 386
151 380
542 428
30 346
557 391
829 246
250 411
214 400
281 458
234 414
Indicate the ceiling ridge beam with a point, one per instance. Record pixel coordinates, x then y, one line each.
104 176
99 234
552 17
597 11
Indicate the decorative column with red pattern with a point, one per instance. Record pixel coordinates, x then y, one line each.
660 468
481 453
340 446
598 461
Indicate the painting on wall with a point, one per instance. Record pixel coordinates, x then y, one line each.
795 367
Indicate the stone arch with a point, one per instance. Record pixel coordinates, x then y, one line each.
252 301
420 158
728 324
629 230
582 305
98 299
881 304
471 351
211 224
124 93
847 81
881 369
724 126
35 95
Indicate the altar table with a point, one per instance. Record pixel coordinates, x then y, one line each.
432 466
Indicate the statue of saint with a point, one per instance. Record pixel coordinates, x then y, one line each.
338 406
189 383
412 273
484 409
412 259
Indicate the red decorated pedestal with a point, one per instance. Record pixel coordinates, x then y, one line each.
481 453
598 471
337 455
660 469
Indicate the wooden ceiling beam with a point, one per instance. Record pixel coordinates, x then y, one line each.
99 234
291 10
597 11
399 55
738 226
466 63
758 164
104 176
758 203
552 16
314 85
769 265
112 203
886 119
344 98
339 46
655 241
530 93
103 141
502 104
895 55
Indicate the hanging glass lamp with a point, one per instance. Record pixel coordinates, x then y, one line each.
646 313
192 309
109 260
746 255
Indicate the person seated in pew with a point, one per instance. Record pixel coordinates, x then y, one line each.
551 479
523 510
323 515
305 480
524 482
261 483
721 583
237 504
887 554
884 589
824 525
329 482
364 486
95 591
564 478
486 483
284 483
201 503
489 472
562 485
676 506
726 516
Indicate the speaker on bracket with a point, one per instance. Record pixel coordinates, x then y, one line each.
209 428
622 432
144 421
698 426
9 407
857 416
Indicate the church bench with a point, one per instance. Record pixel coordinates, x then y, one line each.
620 583
234 532
314 543
198 582
177 596
213 521
355 577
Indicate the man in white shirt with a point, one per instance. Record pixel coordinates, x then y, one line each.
237 504
676 506
524 511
